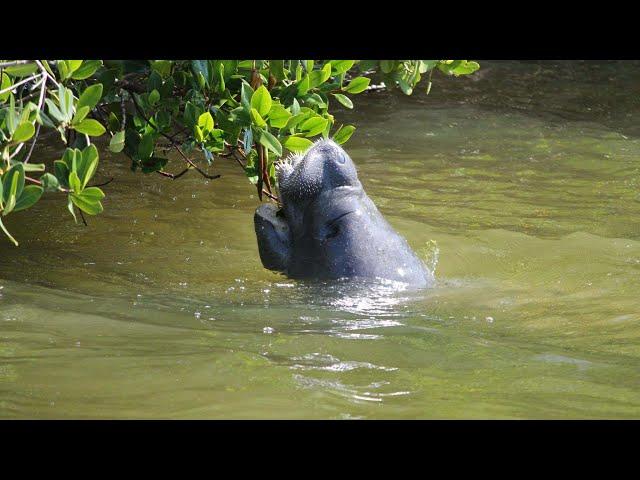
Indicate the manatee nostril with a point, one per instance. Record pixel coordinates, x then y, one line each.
341 158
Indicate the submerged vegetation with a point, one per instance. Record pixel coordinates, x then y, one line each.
252 111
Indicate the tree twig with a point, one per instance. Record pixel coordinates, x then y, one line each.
14 63
271 196
173 176
173 142
15 85
38 182
82 217
44 71
40 103
102 184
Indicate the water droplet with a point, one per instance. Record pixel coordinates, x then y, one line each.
268 330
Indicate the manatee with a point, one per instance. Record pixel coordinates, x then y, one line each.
328 228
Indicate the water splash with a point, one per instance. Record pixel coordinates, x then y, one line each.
429 254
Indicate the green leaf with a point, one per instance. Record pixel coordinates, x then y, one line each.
90 96
313 126
465 68
15 175
201 67
341 66
198 133
81 113
11 115
30 195
297 144
405 87
88 164
308 65
90 127
146 147
246 94
205 122
5 83
69 158
117 142
270 142
318 77
154 97
221 86
343 134
33 167
21 70
277 69
190 114
257 119
6 232
70 208
303 85
426 65
261 101
23 132
155 82
87 69
54 111
357 85
89 200
73 65
278 116
10 192
63 69
50 183
65 97
62 172
163 67
247 140
344 100
295 107
93 193
388 66
74 182
297 119
113 122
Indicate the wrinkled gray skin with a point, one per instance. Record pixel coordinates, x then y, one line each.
328 227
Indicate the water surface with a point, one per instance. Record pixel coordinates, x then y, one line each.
521 184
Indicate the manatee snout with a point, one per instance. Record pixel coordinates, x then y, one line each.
328 227
274 239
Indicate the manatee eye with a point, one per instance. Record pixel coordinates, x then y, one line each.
332 230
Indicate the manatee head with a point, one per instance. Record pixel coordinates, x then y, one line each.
324 170
324 166
328 227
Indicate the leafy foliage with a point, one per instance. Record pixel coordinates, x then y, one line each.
253 111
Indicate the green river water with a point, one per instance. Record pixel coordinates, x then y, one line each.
521 184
